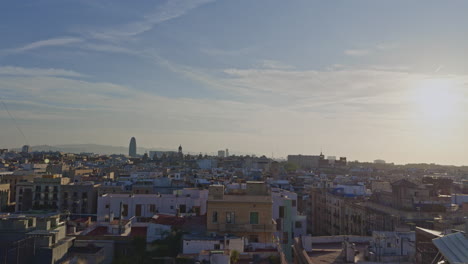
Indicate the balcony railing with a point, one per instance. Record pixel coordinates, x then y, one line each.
246 227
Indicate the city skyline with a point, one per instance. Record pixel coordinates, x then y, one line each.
254 77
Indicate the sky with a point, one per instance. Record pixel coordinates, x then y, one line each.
363 79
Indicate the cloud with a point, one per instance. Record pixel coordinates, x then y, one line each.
228 53
11 70
273 64
440 67
62 41
168 11
357 52
372 49
108 48
284 111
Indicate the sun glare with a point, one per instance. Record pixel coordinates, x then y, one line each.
437 99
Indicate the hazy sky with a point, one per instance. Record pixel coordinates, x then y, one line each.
364 79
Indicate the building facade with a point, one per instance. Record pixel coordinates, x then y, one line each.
247 215
79 198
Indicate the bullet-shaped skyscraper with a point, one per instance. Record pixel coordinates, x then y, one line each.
132 148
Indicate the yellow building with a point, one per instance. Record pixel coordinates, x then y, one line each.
244 214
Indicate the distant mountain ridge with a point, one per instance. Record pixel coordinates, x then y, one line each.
93 148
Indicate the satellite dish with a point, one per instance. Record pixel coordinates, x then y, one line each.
46 161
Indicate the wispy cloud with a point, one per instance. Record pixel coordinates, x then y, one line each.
227 52
440 67
109 48
371 49
170 10
19 71
357 52
273 64
361 102
62 41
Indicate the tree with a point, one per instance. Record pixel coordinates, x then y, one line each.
234 256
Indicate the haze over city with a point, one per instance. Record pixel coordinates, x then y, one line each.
362 79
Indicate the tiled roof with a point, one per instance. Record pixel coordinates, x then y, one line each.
170 220
98 231
139 231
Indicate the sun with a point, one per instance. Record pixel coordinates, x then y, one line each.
437 99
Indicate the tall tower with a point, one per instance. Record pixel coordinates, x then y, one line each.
132 148
25 149
181 154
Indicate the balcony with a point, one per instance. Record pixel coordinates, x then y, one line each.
246 228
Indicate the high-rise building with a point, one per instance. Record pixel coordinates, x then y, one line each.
221 154
132 148
25 149
227 152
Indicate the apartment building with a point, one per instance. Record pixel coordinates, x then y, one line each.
4 196
79 198
245 214
185 201
16 177
47 191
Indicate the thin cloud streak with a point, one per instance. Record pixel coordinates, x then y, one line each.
171 10
62 41
357 52
20 71
361 111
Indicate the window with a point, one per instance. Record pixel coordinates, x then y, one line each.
254 218
253 239
182 208
125 210
281 211
294 203
152 208
229 217
279 224
298 224
138 210
217 246
107 206
214 217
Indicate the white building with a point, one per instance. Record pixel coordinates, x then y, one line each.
283 202
187 201
192 244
